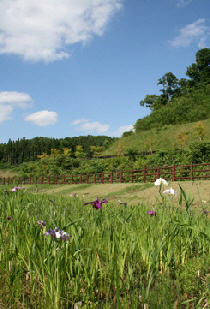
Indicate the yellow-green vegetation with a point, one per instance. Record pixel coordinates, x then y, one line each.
56 252
165 137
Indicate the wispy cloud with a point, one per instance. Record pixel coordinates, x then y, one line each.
78 121
89 127
195 32
86 126
5 112
11 99
43 29
181 3
42 118
123 129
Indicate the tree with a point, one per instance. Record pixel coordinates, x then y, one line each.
79 153
120 148
151 101
200 130
199 72
170 87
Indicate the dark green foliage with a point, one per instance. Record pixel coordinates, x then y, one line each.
132 152
185 109
25 150
200 152
181 101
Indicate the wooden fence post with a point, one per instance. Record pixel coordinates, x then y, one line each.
87 178
131 176
80 178
102 177
94 178
144 174
111 177
191 171
56 179
158 172
121 173
42 180
64 179
174 174
48 179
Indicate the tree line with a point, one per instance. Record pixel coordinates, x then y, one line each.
25 150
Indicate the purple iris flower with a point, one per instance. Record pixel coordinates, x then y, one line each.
56 233
97 204
17 188
152 213
206 212
41 222
125 204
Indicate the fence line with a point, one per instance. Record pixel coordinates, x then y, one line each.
147 174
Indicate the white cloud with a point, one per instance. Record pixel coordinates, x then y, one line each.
42 29
87 126
5 111
123 129
78 121
181 3
42 118
195 32
11 99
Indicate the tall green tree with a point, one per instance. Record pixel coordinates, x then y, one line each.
199 72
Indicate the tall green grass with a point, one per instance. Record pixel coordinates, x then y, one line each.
120 257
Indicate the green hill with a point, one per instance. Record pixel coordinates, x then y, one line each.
164 137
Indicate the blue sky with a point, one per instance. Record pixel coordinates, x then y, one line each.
71 68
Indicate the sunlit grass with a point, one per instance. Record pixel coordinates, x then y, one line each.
120 257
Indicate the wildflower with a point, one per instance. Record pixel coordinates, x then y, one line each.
17 188
119 201
74 195
203 201
170 192
152 213
206 212
56 233
9 218
160 181
52 201
41 222
97 204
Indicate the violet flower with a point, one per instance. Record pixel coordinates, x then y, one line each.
56 233
17 188
41 222
121 203
152 213
9 218
97 204
206 212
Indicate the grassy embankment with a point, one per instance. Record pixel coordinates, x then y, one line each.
160 138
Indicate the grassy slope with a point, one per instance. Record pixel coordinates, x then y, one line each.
161 139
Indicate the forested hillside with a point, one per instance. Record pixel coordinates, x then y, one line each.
24 150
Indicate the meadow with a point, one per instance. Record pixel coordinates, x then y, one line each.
132 253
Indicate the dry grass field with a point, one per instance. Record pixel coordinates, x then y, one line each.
132 193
